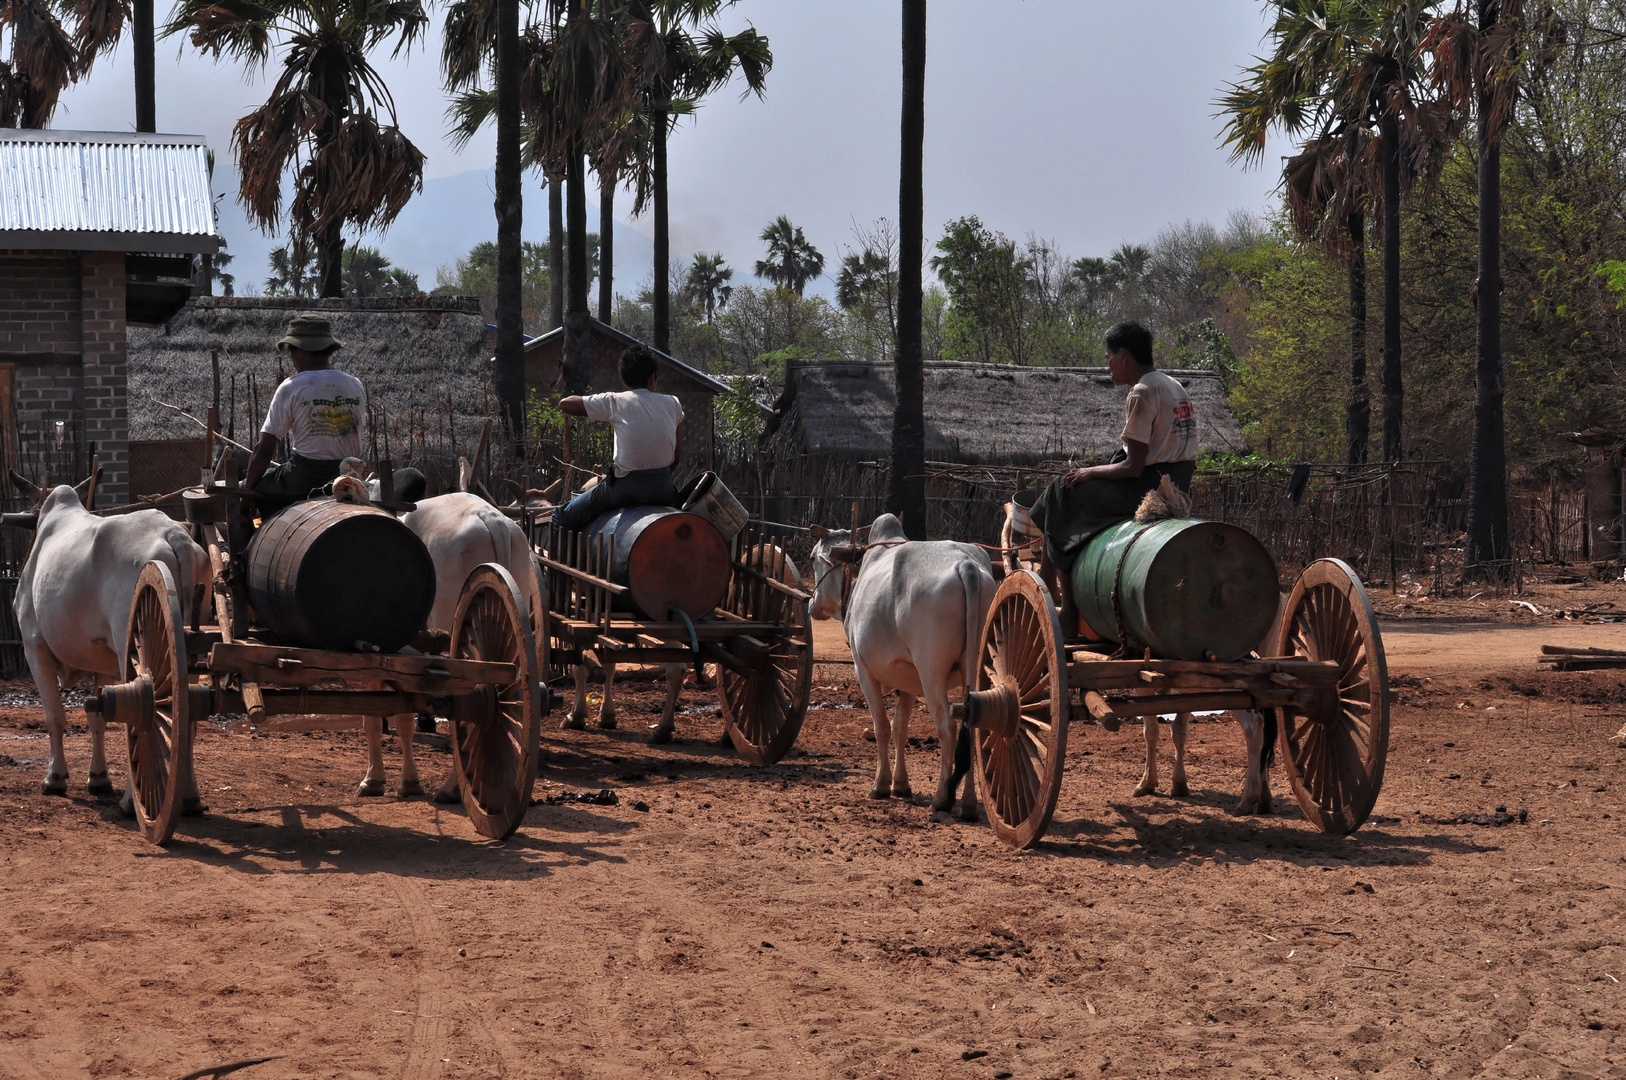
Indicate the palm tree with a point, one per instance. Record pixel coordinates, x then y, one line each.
792 262
1328 187
42 57
708 279
1476 63
293 273
681 56
321 120
906 480
1338 63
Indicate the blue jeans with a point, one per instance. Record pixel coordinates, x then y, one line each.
645 487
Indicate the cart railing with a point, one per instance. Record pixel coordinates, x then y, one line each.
767 584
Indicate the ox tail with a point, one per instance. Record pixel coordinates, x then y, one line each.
1267 752
193 575
972 586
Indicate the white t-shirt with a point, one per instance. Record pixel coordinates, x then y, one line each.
1158 413
645 425
323 410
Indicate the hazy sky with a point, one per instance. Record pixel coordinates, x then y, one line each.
1087 122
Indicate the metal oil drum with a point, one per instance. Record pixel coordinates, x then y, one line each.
330 575
1187 589
666 558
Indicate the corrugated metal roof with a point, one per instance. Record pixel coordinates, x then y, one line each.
92 181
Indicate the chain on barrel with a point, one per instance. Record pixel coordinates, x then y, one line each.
1186 589
330 575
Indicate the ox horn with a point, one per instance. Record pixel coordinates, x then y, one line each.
21 485
21 521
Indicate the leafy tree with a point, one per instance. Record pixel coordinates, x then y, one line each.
792 262
322 118
986 282
867 289
475 274
708 278
368 272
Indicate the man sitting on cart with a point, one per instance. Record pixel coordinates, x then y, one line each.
1159 439
319 409
648 432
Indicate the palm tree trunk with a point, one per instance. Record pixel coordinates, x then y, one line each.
578 351
510 359
606 247
556 254
906 482
1487 485
663 240
1389 127
330 262
145 84
1358 410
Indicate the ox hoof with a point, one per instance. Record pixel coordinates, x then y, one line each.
902 791
99 784
1179 789
448 792
725 740
368 789
606 721
660 733
869 734
1145 787
879 792
192 806
127 805
408 789
573 723
55 785
942 806
970 812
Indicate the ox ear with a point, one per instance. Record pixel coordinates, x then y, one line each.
819 531
21 485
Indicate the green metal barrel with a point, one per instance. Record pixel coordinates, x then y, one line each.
1187 589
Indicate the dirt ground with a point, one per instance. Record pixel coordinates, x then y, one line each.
721 920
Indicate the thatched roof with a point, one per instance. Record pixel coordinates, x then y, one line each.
426 354
987 414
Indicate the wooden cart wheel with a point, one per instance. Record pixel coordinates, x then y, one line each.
495 730
155 706
1335 757
763 710
1020 713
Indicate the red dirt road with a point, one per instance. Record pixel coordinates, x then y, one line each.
776 921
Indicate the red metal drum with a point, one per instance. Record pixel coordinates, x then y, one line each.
667 558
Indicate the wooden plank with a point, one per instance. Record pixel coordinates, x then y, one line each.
584 576
291 724
229 657
1127 674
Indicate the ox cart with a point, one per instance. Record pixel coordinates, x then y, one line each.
318 622
1179 607
702 585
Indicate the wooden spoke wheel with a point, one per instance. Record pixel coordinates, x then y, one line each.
763 708
154 704
1335 755
1019 710
495 729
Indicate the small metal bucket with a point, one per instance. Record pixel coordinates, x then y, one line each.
707 496
1018 507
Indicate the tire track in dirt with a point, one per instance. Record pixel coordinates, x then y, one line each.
440 996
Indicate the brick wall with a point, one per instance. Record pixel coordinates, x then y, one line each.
103 393
62 327
40 303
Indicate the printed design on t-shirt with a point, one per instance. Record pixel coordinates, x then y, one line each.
1184 427
334 416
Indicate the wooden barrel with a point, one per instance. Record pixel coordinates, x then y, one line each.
709 497
329 575
1187 589
666 558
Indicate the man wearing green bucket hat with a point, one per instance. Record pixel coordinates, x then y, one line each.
319 409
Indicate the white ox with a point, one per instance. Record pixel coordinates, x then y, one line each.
73 608
913 620
461 531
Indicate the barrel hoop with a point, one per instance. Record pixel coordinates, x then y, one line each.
1126 637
